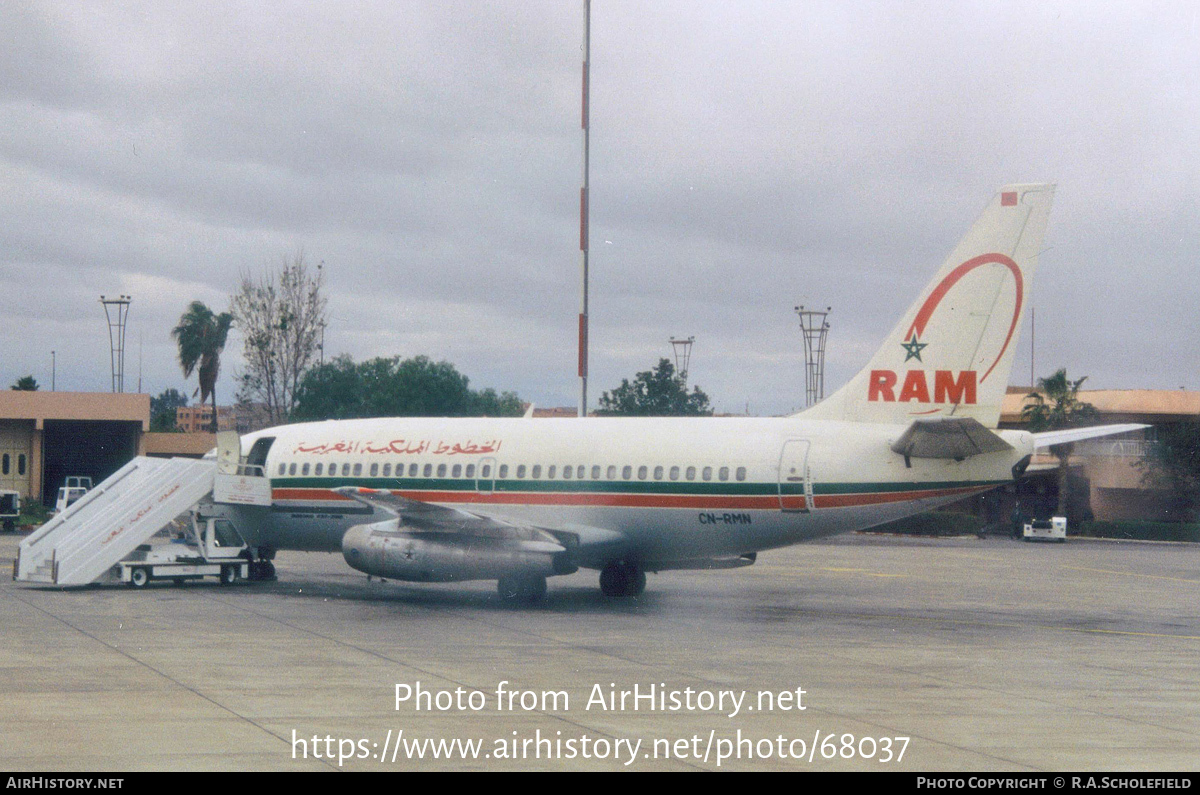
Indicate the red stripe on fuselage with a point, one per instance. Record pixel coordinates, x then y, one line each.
708 502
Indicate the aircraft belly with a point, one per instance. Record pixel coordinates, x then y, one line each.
663 534
310 530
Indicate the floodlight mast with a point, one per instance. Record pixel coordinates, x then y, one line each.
814 327
683 357
116 312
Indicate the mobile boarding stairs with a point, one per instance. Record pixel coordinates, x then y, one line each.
84 543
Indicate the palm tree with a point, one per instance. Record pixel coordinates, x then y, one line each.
201 337
1056 405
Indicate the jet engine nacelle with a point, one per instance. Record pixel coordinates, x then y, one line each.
385 549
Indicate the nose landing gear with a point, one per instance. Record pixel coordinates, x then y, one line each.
622 578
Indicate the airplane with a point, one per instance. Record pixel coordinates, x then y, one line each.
519 500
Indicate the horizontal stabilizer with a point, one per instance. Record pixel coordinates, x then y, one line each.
952 437
1048 438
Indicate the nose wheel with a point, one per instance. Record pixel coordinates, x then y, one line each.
622 578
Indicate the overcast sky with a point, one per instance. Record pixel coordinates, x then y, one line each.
746 157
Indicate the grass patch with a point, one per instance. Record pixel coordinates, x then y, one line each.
1142 531
33 513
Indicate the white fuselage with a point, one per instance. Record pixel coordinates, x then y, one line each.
663 490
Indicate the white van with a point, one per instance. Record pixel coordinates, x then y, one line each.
74 487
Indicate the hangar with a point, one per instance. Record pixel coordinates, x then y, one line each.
46 436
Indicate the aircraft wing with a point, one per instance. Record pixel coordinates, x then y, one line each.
1047 438
424 517
953 437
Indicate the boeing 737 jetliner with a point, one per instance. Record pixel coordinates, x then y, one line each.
520 500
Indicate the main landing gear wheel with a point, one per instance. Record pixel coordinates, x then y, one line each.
622 578
523 590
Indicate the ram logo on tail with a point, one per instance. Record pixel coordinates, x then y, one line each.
952 352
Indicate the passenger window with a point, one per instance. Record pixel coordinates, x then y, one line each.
566 473
579 472
674 473
292 468
658 473
691 473
345 469
357 470
282 467
550 472
374 470
412 470
503 471
520 470
537 471
707 473
595 473
387 470
741 473
441 470
626 472
304 469
471 471
724 473
456 471
641 473
318 469
612 473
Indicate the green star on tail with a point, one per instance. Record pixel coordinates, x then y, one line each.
913 347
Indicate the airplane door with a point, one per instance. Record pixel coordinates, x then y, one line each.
795 477
229 452
486 482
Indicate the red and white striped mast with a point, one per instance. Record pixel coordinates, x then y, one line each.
583 218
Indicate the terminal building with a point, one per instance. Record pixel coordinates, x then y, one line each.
1106 475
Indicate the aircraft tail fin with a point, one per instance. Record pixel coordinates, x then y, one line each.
952 352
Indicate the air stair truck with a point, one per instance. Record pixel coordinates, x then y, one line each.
103 537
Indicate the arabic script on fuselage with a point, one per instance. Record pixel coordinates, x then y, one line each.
400 447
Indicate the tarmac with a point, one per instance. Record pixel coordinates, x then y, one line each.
954 654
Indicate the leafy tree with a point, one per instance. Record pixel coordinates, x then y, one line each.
162 410
1173 464
201 336
1056 405
391 387
26 383
655 393
487 403
281 316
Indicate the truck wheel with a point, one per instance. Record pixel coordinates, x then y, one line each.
139 577
229 575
